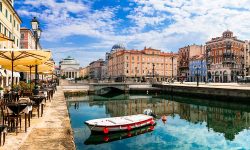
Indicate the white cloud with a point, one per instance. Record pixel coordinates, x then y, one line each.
67 18
162 24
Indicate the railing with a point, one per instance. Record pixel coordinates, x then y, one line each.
228 54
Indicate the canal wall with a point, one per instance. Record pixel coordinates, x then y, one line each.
234 93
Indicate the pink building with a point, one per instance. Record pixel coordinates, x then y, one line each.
28 39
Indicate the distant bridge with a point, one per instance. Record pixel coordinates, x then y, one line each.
99 86
94 87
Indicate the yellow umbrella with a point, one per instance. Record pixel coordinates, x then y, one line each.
9 57
45 67
13 57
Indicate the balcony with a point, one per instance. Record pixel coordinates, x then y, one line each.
231 61
183 66
228 54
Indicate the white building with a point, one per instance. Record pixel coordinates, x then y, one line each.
10 37
69 68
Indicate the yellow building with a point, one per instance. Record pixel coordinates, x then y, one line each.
142 65
9 35
9 25
84 72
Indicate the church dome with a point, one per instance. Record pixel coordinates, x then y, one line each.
117 47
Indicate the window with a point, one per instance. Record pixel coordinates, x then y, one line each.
17 27
10 18
9 34
132 57
6 13
5 31
0 27
17 42
22 36
14 23
1 7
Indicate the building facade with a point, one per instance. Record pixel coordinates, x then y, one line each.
9 25
185 54
9 36
95 69
197 69
247 58
28 40
142 65
225 58
69 68
84 72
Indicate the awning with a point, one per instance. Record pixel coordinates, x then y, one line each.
2 73
15 74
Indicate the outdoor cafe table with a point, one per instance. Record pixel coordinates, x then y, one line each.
38 99
8 96
18 108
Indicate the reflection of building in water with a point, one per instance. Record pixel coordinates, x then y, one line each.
131 107
226 121
229 122
193 113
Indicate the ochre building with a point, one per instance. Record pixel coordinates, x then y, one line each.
142 65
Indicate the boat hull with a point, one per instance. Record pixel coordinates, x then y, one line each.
98 138
121 127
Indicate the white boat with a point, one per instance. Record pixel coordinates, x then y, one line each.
124 123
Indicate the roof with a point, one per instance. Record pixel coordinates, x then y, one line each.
198 57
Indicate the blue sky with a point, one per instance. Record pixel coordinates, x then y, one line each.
86 29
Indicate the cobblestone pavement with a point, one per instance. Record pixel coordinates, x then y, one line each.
52 131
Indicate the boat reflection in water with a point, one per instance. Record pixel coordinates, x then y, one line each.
99 138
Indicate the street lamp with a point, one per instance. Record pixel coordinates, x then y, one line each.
37 34
197 76
153 71
172 66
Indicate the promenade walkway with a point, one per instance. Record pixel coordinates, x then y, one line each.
212 85
52 131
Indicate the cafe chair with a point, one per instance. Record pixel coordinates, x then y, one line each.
3 127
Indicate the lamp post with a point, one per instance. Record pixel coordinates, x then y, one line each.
172 66
153 71
197 76
37 34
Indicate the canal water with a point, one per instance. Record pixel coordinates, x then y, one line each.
191 123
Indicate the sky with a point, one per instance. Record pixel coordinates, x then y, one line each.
87 29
